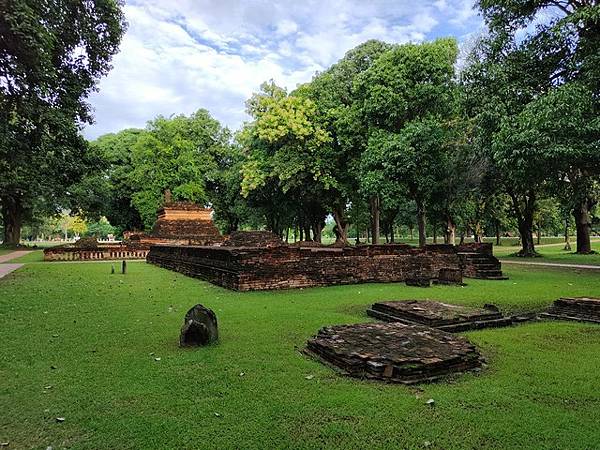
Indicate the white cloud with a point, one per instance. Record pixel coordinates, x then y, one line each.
177 57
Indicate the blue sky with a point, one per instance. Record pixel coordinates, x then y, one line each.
181 55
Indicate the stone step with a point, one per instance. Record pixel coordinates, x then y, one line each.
488 266
489 273
492 277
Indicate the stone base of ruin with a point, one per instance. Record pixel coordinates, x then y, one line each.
101 251
393 352
284 266
443 316
583 309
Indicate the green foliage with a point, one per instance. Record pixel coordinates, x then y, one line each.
180 154
284 142
51 56
108 191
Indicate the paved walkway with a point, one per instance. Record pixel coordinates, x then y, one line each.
5 269
568 266
13 255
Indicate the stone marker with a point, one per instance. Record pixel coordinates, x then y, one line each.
394 352
444 316
199 327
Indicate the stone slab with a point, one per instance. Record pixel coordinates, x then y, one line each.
583 309
393 352
439 315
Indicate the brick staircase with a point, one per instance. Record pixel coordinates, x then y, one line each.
481 265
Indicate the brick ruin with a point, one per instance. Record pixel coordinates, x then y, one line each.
178 223
284 266
582 309
96 251
279 266
443 316
393 352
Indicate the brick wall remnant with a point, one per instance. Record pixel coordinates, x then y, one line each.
283 267
443 316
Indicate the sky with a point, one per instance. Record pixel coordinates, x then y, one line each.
178 56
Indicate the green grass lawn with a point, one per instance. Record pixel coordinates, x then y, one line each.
554 254
81 344
34 256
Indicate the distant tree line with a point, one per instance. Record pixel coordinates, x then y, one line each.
392 137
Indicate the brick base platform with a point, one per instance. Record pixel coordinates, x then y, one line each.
393 352
443 316
262 268
582 309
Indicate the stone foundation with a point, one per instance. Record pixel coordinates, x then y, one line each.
393 352
281 267
443 316
100 252
582 309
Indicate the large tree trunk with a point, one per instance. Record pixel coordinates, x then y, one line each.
341 225
374 203
526 232
317 229
421 224
524 215
12 213
583 225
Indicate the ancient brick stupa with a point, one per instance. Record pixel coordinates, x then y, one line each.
181 223
186 221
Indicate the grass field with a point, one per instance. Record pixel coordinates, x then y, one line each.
81 344
553 253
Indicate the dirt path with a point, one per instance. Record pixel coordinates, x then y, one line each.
568 266
5 269
13 255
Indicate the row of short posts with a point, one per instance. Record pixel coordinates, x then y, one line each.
123 268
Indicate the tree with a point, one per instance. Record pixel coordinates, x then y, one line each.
286 151
51 57
180 154
109 190
557 136
339 113
503 76
566 45
406 95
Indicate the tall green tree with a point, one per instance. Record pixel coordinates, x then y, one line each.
109 192
180 154
287 150
339 112
406 99
51 57
565 45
